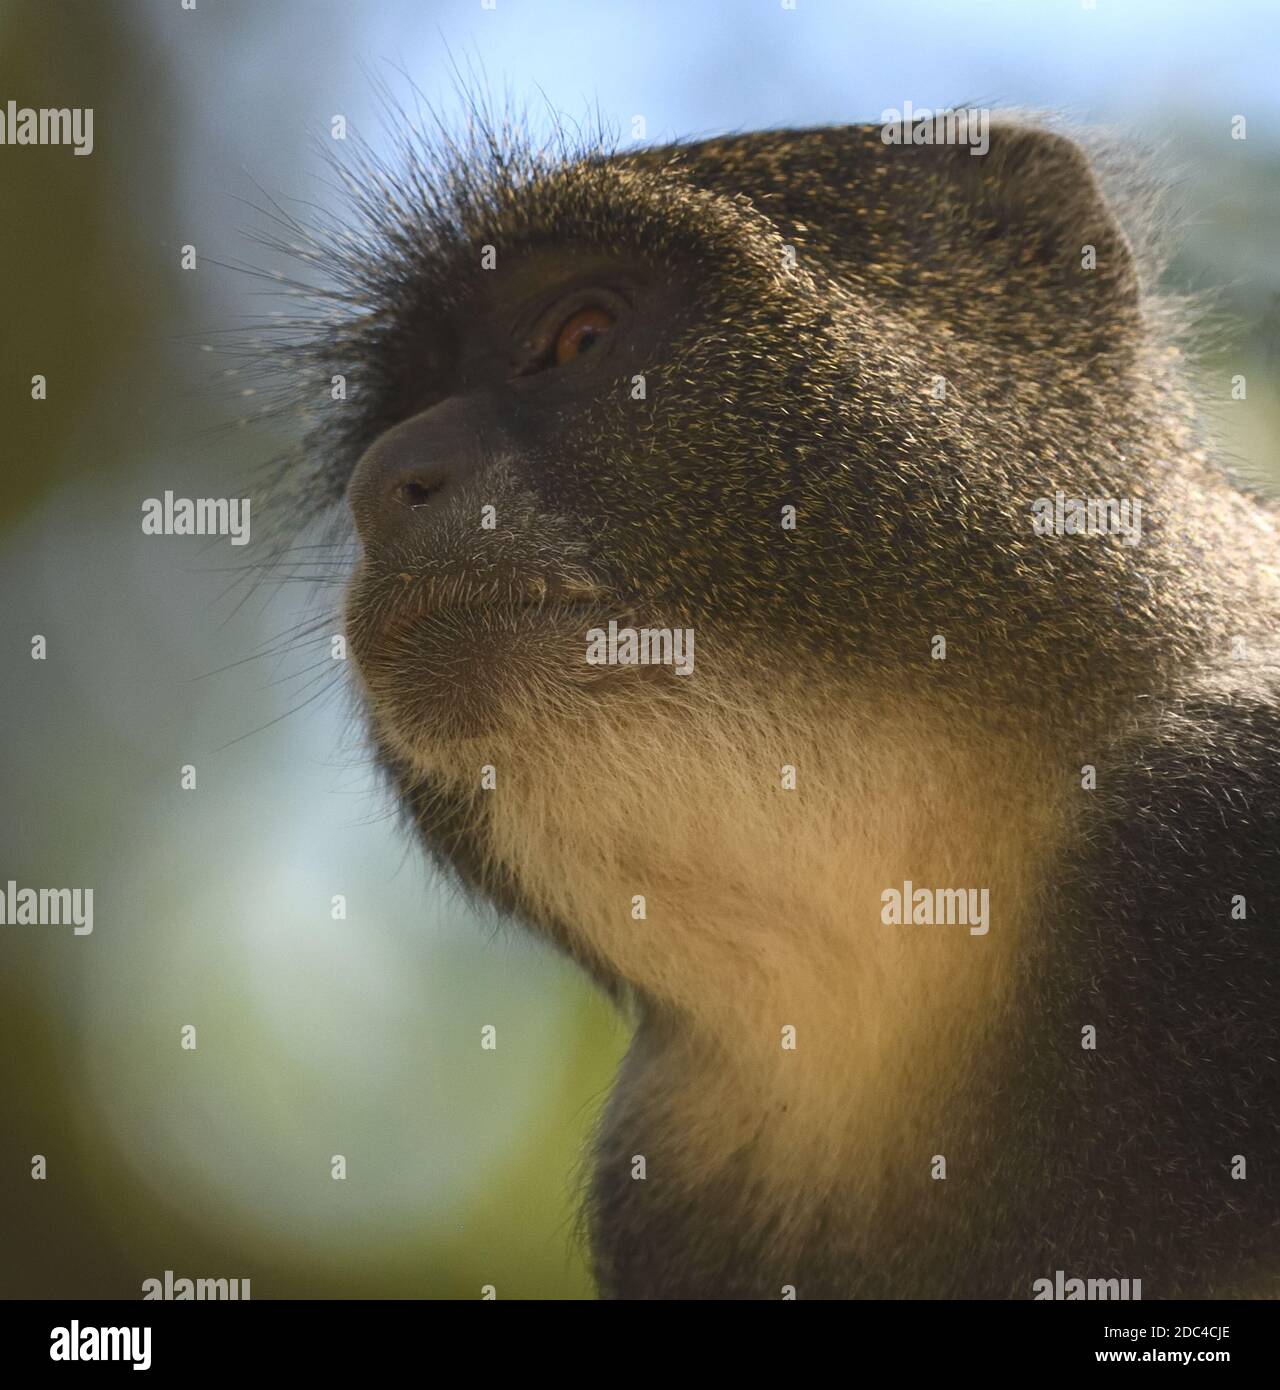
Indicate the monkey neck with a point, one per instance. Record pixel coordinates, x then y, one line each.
747 915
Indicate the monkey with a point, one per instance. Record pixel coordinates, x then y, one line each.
810 395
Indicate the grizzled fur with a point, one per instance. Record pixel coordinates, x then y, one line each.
837 278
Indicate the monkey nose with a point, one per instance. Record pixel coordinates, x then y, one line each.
407 479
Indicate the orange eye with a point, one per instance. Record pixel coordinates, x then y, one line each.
579 332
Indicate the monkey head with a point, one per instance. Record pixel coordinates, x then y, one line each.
795 391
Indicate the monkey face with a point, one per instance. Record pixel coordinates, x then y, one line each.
481 571
588 395
673 390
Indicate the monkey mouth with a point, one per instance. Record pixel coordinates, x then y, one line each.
436 594
385 609
447 657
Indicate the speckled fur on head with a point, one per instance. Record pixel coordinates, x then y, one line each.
807 380
909 265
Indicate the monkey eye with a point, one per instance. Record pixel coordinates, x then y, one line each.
567 332
579 333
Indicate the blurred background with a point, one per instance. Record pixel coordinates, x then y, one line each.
361 1037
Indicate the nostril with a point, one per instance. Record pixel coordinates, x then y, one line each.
415 494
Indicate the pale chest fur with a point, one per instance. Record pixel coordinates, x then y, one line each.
752 911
